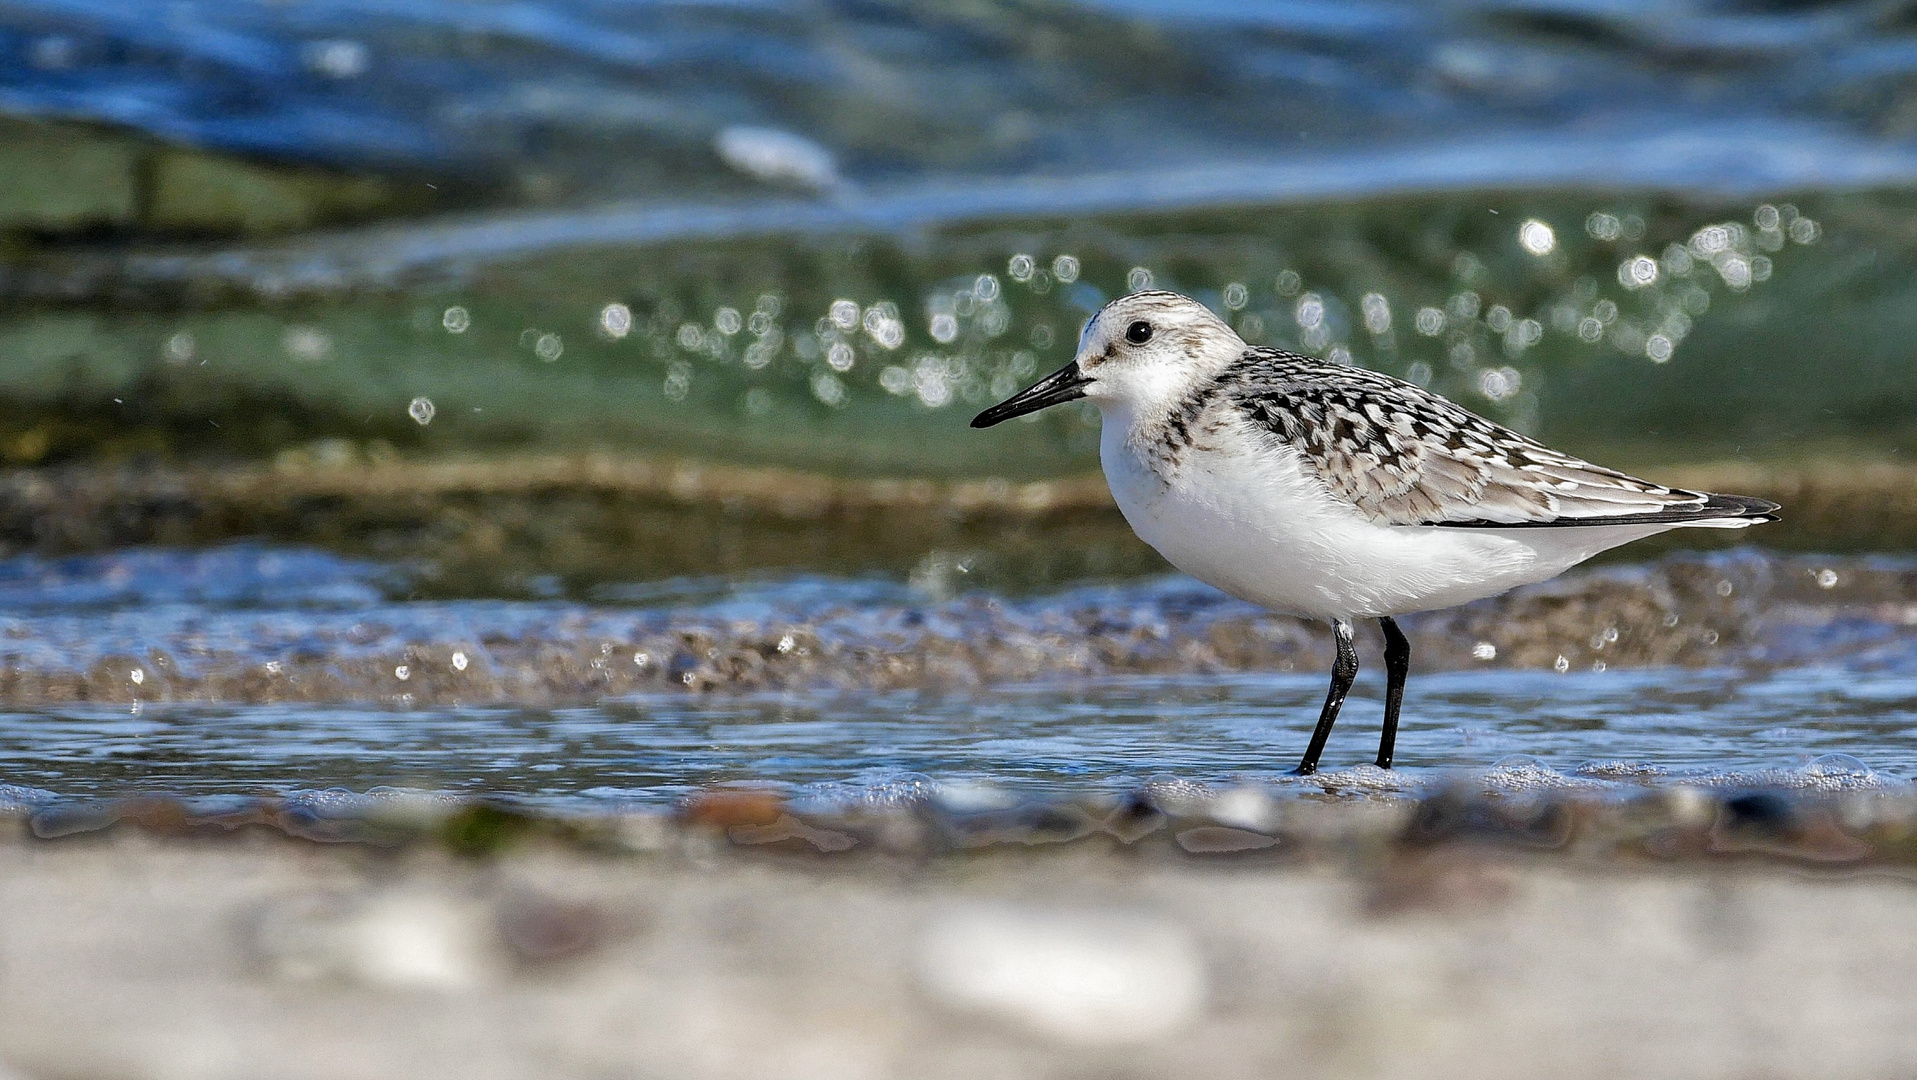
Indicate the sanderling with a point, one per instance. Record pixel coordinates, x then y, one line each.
1333 492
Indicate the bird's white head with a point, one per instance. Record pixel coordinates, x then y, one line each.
1141 353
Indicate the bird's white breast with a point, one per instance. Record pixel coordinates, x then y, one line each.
1247 515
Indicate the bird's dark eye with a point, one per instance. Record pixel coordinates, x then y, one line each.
1139 332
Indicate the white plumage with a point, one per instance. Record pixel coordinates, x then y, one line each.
1335 492
1257 522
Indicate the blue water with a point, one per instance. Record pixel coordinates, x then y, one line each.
1117 685
546 92
618 276
975 178
1598 731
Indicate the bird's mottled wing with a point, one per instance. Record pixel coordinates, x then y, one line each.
1405 456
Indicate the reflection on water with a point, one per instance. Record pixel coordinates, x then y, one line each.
1713 726
1601 321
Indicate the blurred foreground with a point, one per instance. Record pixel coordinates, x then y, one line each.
1176 932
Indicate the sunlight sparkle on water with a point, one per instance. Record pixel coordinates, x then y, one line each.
1537 238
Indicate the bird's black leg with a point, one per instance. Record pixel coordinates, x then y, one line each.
1343 670
1397 657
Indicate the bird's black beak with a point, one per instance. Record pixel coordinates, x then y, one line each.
1066 384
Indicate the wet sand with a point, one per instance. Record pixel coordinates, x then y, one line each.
285 640
481 519
1687 937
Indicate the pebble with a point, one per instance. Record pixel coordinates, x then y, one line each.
1076 977
400 939
1249 808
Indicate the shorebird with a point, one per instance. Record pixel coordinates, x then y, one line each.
1332 492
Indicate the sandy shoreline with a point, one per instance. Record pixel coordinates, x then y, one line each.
1392 941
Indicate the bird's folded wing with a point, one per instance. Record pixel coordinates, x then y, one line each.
1405 456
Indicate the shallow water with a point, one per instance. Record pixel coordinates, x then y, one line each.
820 237
1716 727
250 670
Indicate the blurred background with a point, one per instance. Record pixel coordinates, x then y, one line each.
624 308
430 428
820 236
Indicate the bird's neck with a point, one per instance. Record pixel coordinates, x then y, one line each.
1150 438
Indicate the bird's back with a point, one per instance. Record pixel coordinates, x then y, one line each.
1402 455
1332 491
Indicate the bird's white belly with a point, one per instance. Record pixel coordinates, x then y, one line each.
1259 526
